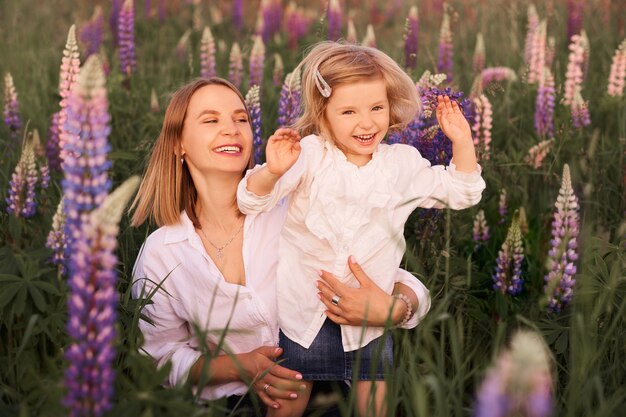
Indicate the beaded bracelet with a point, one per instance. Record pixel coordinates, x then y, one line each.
409 308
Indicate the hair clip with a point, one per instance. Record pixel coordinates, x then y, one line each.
322 85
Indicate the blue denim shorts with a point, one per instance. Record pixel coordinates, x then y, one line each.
325 359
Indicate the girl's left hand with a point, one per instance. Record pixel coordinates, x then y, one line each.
451 120
367 304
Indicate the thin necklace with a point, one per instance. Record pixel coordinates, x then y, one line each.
219 254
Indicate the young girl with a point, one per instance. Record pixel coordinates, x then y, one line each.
349 196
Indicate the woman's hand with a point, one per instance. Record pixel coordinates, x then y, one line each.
282 151
271 381
367 304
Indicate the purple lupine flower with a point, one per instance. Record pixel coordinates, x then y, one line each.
537 61
562 256
92 32
480 231
531 27
126 36
575 10
162 10
253 104
370 37
478 60
11 111
298 24
237 13
85 166
502 206
334 17
21 200
270 15
52 144
538 152
235 65
92 306
70 68
544 105
507 278
617 76
411 36
207 54
257 62
351 36
289 105
57 240
279 68
114 19
520 382
580 112
183 53
147 8
445 61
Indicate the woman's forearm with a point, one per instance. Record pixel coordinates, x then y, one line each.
400 308
218 370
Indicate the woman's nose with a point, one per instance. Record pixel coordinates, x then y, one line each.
231 129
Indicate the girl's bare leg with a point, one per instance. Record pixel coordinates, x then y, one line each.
292 408
370 397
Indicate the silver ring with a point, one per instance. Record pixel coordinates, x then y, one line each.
335 299
266 387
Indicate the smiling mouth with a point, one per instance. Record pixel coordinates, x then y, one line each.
364 139
229 149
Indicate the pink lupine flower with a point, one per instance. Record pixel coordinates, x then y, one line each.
21 200
562 257
257 62
481 229
617 77
70 67
478 61
544 105
482 126
575 67
538 152
411 36
445 62
235 65
531 27
493 74
351 36
11 111
537 60
370 37
279 69
580 112
207 54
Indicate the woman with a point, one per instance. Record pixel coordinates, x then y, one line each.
211 268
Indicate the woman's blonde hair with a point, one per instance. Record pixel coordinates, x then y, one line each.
340 63
167 187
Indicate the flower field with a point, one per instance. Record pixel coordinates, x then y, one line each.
543 85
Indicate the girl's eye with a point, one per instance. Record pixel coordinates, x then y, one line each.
376 108
348 112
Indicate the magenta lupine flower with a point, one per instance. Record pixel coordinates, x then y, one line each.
507 278
235 65
483 118
411 36
270 15
481 229
207 54
147 8
502 206
114 19
544 105
537 61
445 62
57 240
257 62
237 15
575 68
575 10
531 27
617 76
92 32
478 61
52 143
11 111
277 73
289 106
126 35
334 17
580 112
70 68
538 152
370 37
351 36
492 74
562 257
298 24
253 104
92 305
520 382
21 200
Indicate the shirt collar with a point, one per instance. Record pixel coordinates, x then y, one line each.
183 230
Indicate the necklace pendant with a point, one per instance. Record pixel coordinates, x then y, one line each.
219 254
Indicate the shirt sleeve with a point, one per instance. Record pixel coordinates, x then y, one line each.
166 336
422 294
250 203
439 186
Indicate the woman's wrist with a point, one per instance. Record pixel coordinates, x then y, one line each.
402 309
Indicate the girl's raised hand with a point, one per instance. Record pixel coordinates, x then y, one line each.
282 151
451 120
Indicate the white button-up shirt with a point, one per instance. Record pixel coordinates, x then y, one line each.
337 209
193 292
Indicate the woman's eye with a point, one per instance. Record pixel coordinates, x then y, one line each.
210 121
243 120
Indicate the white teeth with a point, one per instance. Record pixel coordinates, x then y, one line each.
228 149
364 138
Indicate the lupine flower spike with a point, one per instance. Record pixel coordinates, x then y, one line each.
114 19
57 240
507 278
492 74
445 63
370 37
41 161
334 17
127 38
235 65
92 305
257 62
298 24
562 257
502 206
11 111
21 200
481 229
70 68
351 36
575 68
520 382
538 152
544 105
253 104
183 53
478 61
411 36
550 51
575 10
289 102
537 53
482 126
207 54
154 102
580 112
237 10
531 27
617 76
92 32
52 143
279 68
